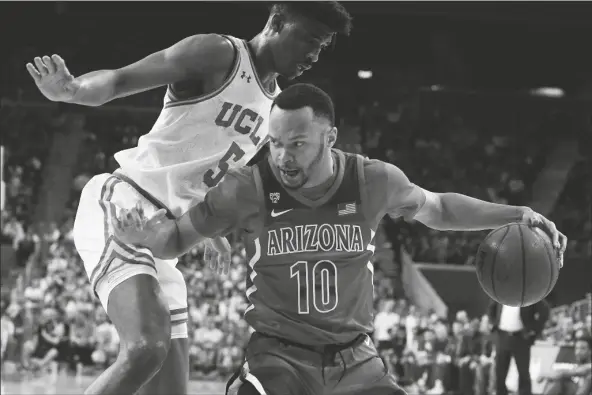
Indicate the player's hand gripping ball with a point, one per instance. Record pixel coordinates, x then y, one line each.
518 264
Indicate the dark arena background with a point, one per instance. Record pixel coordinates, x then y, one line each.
493 100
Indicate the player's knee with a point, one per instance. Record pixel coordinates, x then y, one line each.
146 354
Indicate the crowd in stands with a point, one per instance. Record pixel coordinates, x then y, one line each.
53 315
573 211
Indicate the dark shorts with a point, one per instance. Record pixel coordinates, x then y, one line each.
81 354
277 367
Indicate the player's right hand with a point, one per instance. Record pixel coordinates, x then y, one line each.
133 227
53 78
218 253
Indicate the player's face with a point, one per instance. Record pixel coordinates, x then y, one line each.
299 145
299 45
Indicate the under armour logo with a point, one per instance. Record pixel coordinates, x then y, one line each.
274 197
244 75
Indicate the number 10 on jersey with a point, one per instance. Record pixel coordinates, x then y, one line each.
317 286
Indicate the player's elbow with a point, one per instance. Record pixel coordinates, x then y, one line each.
433 213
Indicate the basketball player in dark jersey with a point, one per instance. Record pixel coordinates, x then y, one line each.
308 214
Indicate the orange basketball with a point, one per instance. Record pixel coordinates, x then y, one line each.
517 265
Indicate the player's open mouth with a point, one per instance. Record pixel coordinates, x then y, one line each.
302 67
290 173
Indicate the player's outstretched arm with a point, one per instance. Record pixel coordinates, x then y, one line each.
195 57
455 211
166 238
223 210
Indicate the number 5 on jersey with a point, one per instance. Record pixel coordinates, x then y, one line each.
245 122
212 178
319 290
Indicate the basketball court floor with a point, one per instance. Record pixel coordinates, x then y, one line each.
71 386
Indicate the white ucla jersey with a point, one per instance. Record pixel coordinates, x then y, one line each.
194 142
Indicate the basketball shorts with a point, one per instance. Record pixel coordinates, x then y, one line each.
108 262
276 367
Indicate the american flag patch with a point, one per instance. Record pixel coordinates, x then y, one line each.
346 208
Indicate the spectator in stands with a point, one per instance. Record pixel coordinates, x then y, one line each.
516 330
50 343
12 230
6 331
27 246
106 340
482 368
575 381
385 322
82 342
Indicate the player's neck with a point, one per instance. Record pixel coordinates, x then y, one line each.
263 60
326 171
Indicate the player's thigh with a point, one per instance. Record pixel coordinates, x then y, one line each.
139 312
109 262
173 286
173 376
272 369
365 373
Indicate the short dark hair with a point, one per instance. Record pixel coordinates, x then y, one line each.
298 96
330 13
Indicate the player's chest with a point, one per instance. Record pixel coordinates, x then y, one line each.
337 229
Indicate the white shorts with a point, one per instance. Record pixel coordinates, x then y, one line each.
108 262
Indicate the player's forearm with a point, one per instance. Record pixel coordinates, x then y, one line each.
96 88
454 211
178 239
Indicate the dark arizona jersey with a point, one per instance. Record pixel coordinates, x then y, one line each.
309 275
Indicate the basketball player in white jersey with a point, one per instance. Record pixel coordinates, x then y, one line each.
220 91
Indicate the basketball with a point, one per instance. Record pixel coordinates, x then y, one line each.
517 265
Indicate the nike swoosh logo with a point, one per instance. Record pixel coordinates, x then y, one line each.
274 214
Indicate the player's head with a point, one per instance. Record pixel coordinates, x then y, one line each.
301 133
298 31
583 349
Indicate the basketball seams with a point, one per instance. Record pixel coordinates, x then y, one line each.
530 253
501 242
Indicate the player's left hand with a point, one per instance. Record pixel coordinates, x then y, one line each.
559 240
218 254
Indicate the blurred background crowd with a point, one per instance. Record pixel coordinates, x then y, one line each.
515 148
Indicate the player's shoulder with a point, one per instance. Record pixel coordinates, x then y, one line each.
380 173
216 51
378 167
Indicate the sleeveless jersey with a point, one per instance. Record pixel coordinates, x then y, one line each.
310 279
194 142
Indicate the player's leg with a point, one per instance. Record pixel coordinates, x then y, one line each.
140 315
522 359
272 368
124 278
361 372
173 376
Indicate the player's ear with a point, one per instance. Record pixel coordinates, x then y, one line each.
277 22
332 137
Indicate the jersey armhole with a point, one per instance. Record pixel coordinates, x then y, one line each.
174 100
